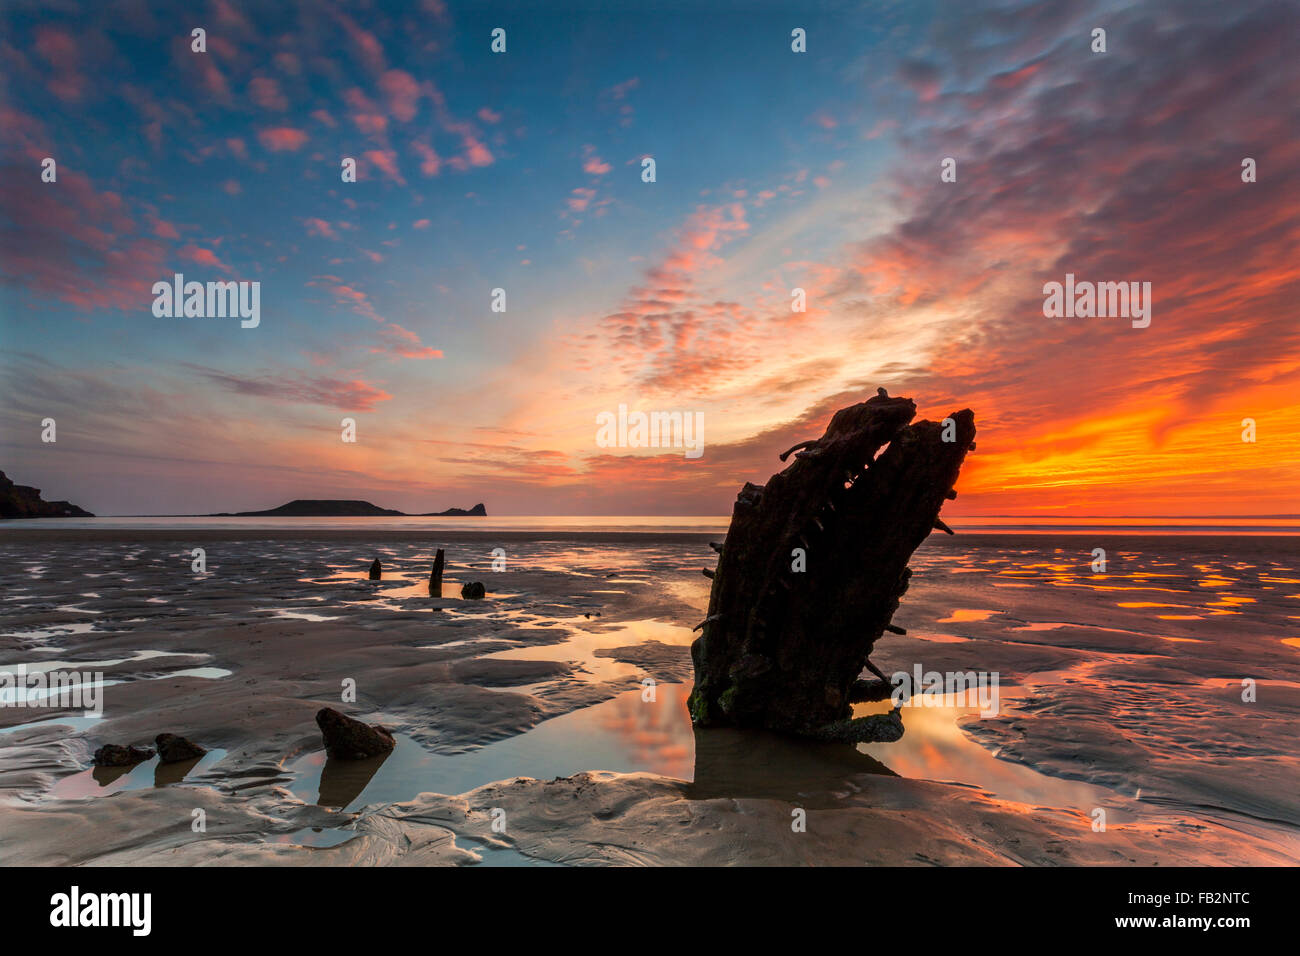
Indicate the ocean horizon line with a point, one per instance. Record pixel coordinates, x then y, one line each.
725 517
647 524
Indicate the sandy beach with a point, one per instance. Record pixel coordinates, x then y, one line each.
1120 692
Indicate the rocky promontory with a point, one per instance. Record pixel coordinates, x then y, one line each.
24 501
345 508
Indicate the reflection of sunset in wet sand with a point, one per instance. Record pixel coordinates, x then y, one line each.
1125 680
657 736
962 615
1120 690
935 747
626 733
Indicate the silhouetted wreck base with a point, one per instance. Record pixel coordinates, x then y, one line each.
812 570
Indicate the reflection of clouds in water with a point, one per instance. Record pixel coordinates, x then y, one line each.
151 773
657 735
934 747
582 641
962 615
1209 585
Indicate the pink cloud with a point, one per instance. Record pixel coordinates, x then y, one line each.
710 227
430 161
580 199
204 257
592 164
398 342
288 63
210 77
477 153
386 161
403 343
368 48
923 78
282 138
1014 78
265 92
670 330
614 99
402 93
355 299
228 16
366 115
344 394
881 127
75 224
361 395
489 116
621 90
25 131
59 50
319 227
164 230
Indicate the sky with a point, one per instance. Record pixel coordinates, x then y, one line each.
523 171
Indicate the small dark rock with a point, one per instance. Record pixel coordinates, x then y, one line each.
111 755
473 590
349 739
376 570
173 748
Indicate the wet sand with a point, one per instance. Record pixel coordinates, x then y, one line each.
1120 692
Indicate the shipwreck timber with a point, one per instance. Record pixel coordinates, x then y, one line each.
813 568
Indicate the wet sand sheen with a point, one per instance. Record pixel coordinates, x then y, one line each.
525 684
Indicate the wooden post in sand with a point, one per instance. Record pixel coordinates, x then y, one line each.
435 576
